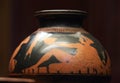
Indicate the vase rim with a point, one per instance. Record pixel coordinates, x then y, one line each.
60 12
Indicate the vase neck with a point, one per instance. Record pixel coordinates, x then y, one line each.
66 18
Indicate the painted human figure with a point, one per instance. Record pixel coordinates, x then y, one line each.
84 61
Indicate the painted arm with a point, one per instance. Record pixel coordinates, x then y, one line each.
72 45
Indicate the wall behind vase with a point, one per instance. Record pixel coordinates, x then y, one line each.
4 36
102 22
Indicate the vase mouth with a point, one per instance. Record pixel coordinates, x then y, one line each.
60 12
60 17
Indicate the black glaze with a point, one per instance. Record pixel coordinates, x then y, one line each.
72 18
25 61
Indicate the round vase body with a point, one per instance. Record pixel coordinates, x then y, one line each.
60 48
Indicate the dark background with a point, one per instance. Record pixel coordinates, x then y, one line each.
17 21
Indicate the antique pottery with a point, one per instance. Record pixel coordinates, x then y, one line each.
60 47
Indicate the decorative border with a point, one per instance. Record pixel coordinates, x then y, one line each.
62 29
